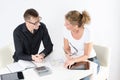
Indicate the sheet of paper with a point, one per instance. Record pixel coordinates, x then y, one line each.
15 67
26 64
4 71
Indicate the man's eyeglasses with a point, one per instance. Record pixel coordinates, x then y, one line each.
37 22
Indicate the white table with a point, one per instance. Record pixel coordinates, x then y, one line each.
58 72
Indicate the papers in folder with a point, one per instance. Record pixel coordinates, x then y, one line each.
20 66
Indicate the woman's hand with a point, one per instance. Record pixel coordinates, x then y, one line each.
69 62
68 56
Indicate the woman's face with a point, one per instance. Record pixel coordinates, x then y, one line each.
68 25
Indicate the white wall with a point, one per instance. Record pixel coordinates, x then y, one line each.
104 13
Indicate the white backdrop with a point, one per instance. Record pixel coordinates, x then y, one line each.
104 14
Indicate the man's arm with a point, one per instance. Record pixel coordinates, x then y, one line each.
47 43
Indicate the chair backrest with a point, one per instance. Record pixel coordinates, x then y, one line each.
103 54
6 53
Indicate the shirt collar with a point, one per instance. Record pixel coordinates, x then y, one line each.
24 28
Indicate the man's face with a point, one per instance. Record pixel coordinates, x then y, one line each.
34 22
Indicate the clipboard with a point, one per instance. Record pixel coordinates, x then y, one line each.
84 65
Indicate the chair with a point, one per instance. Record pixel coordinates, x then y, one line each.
103 55
6 53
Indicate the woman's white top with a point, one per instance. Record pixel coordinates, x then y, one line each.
77 46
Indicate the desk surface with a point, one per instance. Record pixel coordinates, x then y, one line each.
58 72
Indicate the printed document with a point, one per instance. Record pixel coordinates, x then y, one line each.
20 66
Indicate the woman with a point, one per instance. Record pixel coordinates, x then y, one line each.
77 41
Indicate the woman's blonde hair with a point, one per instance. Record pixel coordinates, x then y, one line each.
76 18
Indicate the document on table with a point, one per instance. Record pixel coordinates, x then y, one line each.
20 66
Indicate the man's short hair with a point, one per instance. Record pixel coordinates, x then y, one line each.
30 13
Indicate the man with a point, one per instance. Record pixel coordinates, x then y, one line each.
28 37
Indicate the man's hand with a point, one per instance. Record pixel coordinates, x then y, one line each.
38 57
